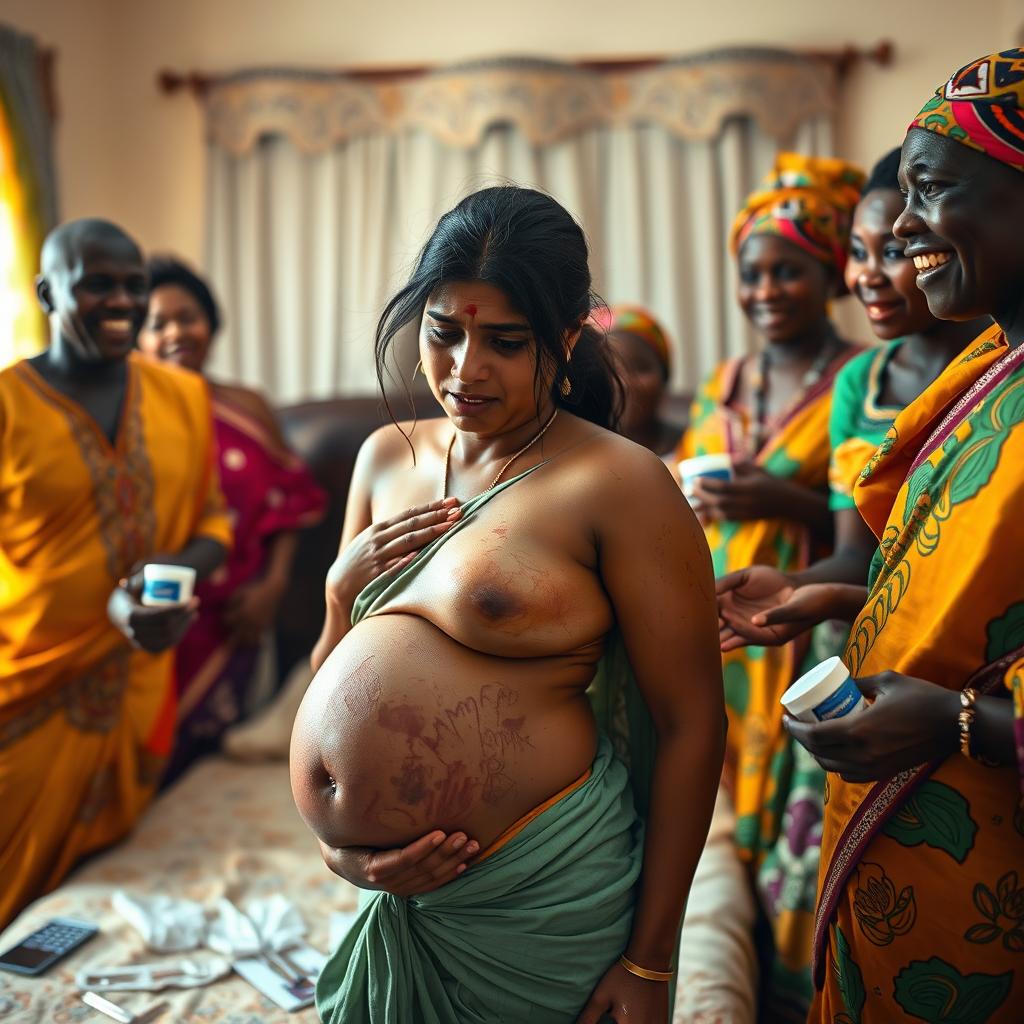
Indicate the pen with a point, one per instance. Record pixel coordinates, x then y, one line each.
118 1013
97 1002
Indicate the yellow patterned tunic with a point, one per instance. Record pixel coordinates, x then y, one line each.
86 722
771 774
921 904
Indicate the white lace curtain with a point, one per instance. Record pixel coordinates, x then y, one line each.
322 191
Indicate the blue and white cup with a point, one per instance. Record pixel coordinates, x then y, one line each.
827 691
166 586
711 467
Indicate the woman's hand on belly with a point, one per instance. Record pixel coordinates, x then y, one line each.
424 865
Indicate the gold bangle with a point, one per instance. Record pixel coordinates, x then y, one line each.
965 719
642 972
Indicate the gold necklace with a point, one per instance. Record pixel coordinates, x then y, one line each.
501 472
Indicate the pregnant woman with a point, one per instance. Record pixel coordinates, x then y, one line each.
495 565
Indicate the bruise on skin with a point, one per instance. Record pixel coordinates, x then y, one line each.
364 687
411 785
497 786
402 718
456 760
455 793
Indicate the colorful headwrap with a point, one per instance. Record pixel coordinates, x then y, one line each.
980 106
637 321
806 200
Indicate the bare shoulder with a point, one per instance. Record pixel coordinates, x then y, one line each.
629 500
396 445
607 465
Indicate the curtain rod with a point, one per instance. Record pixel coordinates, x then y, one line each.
171 81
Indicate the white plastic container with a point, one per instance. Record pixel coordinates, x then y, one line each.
167 585
827 691
714 467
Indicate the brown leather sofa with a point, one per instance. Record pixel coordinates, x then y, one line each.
327 436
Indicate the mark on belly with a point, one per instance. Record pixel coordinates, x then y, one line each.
364 687
404 718
411 785
460 758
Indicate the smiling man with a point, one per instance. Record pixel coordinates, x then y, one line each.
106 463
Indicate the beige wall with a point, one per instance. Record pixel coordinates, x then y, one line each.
131 154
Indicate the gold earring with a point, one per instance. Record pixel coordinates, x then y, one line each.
565 387
419 368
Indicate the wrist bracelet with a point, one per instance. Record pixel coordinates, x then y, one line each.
965 719
643 972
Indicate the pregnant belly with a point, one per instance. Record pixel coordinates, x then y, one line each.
404 730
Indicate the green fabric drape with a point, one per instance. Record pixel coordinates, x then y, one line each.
527 933
522 937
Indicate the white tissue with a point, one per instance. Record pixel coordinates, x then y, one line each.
171 925
273 923
167 925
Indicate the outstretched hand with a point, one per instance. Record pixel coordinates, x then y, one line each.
763 606
626 999
743 598
424 865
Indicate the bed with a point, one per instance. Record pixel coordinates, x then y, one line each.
230 829
226 829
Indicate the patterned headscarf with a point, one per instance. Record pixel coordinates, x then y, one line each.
637 321
806 200
980 106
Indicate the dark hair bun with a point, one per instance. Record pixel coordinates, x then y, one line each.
526 244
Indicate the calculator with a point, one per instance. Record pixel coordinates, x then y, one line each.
44 947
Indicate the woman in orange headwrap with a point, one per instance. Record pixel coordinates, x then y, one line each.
770 413
643 354
920 912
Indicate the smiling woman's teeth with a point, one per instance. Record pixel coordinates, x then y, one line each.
931 259
119 325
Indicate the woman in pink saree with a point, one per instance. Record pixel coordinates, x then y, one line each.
271 495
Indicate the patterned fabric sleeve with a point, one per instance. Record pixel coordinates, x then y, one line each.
850 451
703 432
1014 680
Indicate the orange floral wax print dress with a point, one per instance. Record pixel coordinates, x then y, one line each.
86 721
775 780
921 905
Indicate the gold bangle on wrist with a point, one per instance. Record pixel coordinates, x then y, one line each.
965 719
643 972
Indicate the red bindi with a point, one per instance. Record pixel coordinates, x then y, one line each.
471 310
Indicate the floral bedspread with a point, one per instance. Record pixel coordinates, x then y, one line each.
227 829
